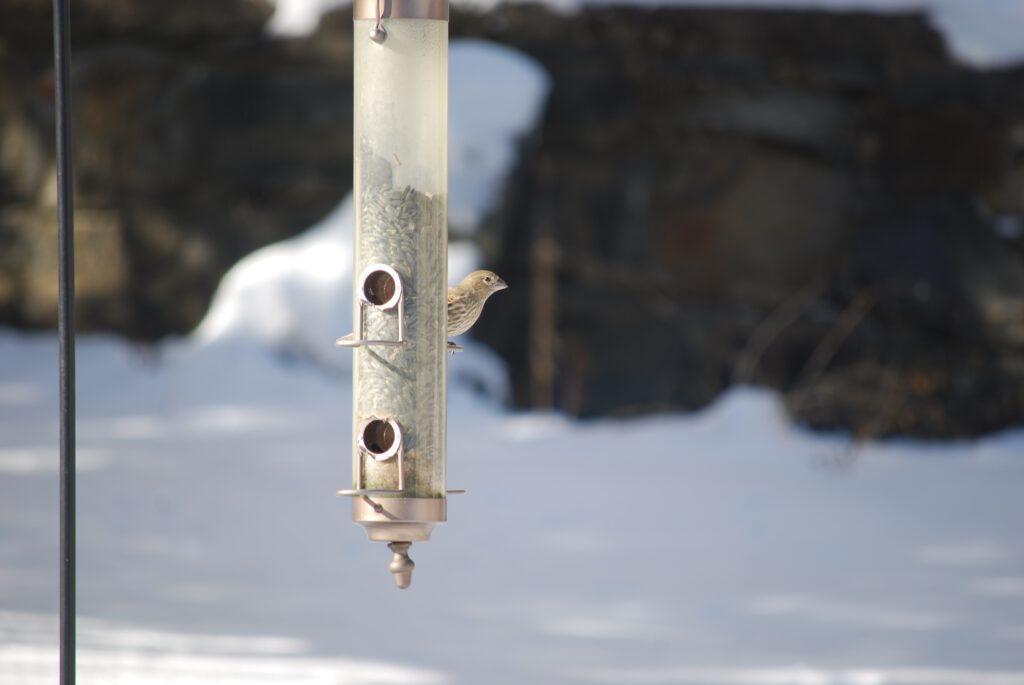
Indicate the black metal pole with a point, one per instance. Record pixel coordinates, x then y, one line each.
66 335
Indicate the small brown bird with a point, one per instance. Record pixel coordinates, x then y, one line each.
466 300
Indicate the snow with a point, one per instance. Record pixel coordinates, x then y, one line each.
722 546
482 145
980 32
295 296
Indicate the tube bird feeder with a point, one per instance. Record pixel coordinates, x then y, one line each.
400 185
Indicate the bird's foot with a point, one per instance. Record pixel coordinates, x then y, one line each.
454 347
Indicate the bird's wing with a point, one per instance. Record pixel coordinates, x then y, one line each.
452 294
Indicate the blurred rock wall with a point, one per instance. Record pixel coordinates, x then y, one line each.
197 140
823 203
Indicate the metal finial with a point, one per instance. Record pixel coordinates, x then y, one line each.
378 32
401 565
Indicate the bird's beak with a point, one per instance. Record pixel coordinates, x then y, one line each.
500 285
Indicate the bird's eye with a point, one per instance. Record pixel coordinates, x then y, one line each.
488 280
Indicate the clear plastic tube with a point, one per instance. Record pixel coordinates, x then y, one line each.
401 203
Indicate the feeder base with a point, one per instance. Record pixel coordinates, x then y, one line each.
394 519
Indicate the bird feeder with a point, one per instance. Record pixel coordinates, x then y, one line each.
399 338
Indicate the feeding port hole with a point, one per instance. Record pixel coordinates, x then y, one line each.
381 438
381 287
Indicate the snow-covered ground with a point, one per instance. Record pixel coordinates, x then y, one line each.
980 32
719 547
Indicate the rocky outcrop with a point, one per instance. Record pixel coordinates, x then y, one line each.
197 140
823 203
